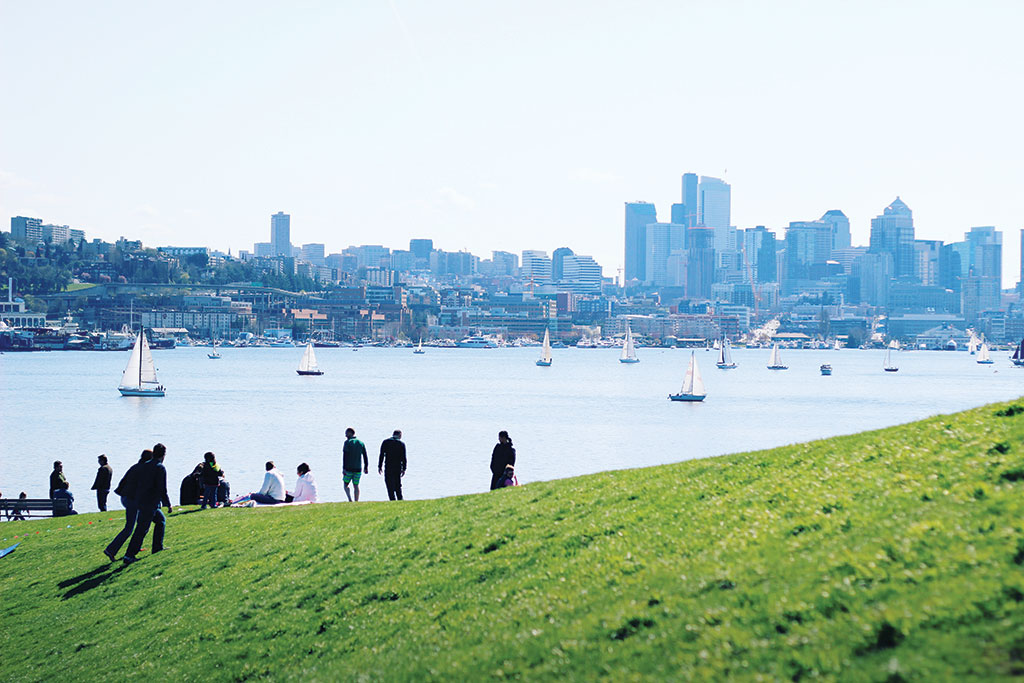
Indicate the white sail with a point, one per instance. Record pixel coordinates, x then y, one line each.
628 348
140 370
983 355
776 357
545 351
693 383
724 354
308 362
721 355
888 359
420 347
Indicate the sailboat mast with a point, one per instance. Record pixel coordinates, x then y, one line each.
140 357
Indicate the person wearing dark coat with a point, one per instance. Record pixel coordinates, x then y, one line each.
191 487
126 488
392 464
502 456
104 475
150 493
57 479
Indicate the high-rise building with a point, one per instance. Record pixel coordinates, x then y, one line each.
893 233
312 253
662 240
984 251
874 272
808 247
700 262
691 203
978 293
1020 282
263 249
638 215
421 248
759 261
505 263
56 234
582 273
281 234
536 266
557 257
402 261
927 257
27 229
715 203
840 228
371 255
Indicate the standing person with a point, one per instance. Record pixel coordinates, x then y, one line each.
272 492
126 488
502 456
151 492
57 479
392 464
350 469
305 486
210 478
101 485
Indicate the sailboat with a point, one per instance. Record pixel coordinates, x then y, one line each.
308 366
215 353
725 357
1018 355
972 344
983 355
419 349
545 351
837 345
693 386
775 362
628 349
887 364
139 378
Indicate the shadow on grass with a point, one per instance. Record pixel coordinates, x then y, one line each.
89 580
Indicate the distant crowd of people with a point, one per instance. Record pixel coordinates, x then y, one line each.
143 488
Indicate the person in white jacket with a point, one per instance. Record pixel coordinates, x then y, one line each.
305 487
272 492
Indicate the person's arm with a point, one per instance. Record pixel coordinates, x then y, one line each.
161 480
267 481
403 460
366 459
512 456
380 462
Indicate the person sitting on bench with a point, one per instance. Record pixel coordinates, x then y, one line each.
65 494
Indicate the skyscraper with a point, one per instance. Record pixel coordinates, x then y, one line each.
808 247
715 211
840 228
662 240
985 252
690 201
927 257
582 273
281 234
27 229
700 262
759 263
893 233
557 258
536 266
421 248
638 215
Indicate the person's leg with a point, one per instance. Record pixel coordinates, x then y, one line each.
264 499
394 485
346 478
101 500
131 514
159 526
398 487
223 492
495 480
145 518
209 496
390 488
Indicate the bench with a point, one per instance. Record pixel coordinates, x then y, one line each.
44 507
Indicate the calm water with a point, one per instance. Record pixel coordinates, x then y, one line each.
584 414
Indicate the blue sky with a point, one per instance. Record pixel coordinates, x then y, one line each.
520 125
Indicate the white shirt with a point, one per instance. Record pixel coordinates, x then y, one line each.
305 489
273 485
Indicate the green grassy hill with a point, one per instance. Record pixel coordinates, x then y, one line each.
889 555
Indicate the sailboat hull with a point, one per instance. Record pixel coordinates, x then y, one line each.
689 398
141 392
985 362
891 369
544 363
778 367
310 372
629 360
725 366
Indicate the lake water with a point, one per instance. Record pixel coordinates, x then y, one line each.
586 413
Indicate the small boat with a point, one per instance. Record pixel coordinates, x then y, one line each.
308 366
1018 355
476 341
419 349
693 386
887 363
972 344
215 354
984 358
139 378
775 362
725 357
826 369
836 346
628 349
545 351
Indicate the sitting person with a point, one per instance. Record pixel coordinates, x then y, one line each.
191 489
305 487
508 478
64 494
272 493
223 489
17 514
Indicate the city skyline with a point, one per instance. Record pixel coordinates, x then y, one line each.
501 127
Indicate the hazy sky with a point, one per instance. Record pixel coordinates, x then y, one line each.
515 125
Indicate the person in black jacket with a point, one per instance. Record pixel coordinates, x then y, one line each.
150 493
57 479
502 456
392 464
126 489
104 475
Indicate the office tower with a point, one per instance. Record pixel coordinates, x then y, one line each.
263 249
978 293
421 248
638 215
985 252
312 253
583 272
840 228
927 255
557 257
874 272
505 263
26 229
371 255
536 266
403 261
893 233
56 234
808 247
281 234
700 262
758 251
690 201
661 239
951 266
714 199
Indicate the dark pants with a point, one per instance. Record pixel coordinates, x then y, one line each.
147 516
209 496
264 499
101 499
131 513
393 480
496 478
223 492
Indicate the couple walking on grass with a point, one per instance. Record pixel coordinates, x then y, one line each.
355 463
143 489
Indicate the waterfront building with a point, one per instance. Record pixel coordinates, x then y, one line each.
28 230
892 233
949 334
840 228
281 234
638 215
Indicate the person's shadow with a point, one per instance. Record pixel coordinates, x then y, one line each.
88 580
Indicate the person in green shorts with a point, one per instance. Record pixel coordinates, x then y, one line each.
350 467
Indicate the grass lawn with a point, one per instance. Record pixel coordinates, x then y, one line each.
890 555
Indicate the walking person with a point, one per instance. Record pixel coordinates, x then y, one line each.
210 479
57 479
502 456
104 475
350 465
151 492
126 488
392 464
